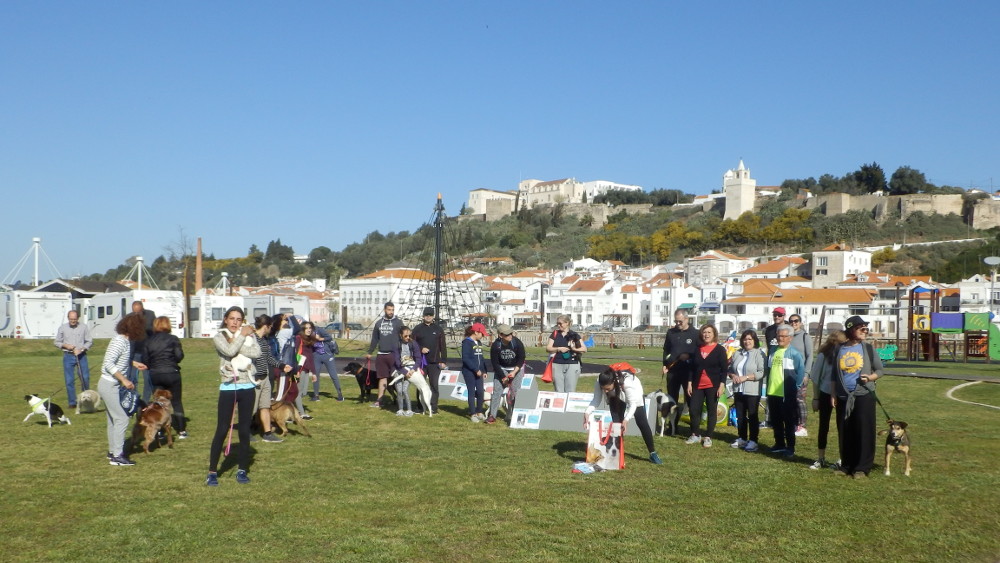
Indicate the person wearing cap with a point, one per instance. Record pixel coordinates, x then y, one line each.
507 357
856 368
430 337
786 368
679 348
385 338
771 331
474 370
567 347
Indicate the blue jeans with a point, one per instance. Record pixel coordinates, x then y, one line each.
327 361
69 374
476 388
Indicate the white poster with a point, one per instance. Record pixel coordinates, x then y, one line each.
449 377
578 402
526 380
551 401
525 418
460 392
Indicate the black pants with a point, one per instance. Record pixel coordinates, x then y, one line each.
433 372
171 381
825 410
857 434
747 418
242 399
676 381
617 407
784 414
699 398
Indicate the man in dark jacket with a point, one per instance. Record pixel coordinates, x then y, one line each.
385 338
430 337
679 347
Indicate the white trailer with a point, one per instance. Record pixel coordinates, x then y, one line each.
207 311
103 311
256 305
29 314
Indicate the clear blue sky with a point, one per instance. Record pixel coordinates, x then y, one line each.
317 122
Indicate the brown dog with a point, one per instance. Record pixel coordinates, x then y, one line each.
897 440
281 412
154 418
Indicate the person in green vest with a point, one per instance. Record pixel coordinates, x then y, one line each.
786 369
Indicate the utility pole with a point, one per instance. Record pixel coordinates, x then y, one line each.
438 249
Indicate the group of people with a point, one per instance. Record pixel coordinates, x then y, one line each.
843 374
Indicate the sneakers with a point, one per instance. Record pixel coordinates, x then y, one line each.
739 444
478 417
751 446
779 451
120 460
241 477
491 420
376 405
818 464
693 439
801 431
213 479
400 412
182 435
270 437
307 416
789 454
314 399
340 398
407 413
655 458
706 443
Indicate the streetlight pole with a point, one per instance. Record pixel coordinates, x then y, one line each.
899 286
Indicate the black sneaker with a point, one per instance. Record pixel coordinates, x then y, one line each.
121 460
307 416
241 477
270 437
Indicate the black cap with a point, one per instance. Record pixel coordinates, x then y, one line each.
428 311
854 321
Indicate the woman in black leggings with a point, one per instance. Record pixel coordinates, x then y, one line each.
625 401
237 349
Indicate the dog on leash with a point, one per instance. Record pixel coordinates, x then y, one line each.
87 401
281 412
153 418
367 381
666 411
46 408
897 440
417 379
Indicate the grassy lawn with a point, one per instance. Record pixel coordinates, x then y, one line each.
373 487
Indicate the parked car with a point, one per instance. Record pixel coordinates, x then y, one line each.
619 328
337 327
641 328
593 328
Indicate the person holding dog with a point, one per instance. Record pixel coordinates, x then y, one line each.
746 369
385 338
406 360
507 357
114 375
856 369
430 336
626 401
474 370
74 340
163 356
706 384
237 348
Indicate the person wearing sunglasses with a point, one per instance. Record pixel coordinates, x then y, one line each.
771 331
856 369
802 343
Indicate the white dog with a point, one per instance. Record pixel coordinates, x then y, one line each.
666 410
88 401
418 380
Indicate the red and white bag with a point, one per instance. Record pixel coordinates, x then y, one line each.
606 445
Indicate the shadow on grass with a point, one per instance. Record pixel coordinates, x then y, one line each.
231 461
574 450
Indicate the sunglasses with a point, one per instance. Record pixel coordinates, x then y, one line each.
776 315
795 321
863 329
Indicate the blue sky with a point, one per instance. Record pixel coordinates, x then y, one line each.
316 122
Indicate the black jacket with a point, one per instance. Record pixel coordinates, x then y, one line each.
679 342
431 336
163 353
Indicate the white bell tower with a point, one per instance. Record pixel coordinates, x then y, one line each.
740 190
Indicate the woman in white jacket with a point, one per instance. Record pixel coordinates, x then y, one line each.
626 401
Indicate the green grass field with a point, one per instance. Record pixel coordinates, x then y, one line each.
373 487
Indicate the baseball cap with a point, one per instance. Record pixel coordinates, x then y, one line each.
854 321
778 311
428 311
480 328
504 330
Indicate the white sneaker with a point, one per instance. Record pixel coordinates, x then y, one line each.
818 464
693 439
751 446
408 413
739 444
707 443
400 412
801 431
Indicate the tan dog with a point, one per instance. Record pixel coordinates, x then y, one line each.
281 412
155 417
897 440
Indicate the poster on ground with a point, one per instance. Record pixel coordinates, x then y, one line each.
525 418
551 401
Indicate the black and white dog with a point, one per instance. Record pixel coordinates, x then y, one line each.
46 408
666 411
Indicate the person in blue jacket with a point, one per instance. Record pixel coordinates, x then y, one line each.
474 370
786 369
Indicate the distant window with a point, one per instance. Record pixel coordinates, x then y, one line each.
100 312
194 314
111 310
217 313
821 261
820 272
258 311
286 311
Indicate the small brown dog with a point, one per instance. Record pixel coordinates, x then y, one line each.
897 440
155 417
281 412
